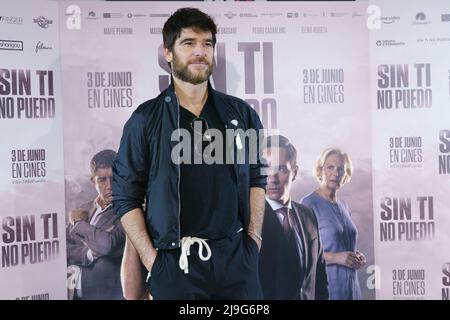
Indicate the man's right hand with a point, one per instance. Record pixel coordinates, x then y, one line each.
78 215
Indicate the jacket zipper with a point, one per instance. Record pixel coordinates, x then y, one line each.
179 177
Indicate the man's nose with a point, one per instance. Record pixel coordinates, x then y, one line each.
272 177
199 49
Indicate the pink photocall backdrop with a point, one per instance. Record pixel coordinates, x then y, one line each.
372 78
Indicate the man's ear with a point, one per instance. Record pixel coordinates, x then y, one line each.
168 55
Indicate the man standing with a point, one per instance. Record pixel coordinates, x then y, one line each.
291 262
95 238
205 204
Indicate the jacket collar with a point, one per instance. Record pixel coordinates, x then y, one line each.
223 109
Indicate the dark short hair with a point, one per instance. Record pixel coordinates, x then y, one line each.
279 141
103 159
187 18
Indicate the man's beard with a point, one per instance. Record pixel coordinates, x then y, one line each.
184 74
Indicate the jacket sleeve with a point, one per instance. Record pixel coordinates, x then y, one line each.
77 255
101 242
76 251
130 168
258 177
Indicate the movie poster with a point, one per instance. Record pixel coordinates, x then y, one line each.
32 242
410 100
311 85
291 64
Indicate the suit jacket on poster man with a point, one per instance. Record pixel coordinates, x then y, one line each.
100 279
278 262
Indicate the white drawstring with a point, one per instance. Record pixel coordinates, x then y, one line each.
186 244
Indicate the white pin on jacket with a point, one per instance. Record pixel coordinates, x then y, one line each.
238 142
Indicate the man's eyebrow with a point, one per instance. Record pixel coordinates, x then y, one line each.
193 39
186 40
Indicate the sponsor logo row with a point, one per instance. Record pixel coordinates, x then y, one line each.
419 19
40 21
16 45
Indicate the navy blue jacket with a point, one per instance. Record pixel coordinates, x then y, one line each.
143 168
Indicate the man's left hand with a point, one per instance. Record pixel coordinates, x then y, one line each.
78 215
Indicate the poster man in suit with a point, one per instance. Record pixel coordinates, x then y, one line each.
95 239
291 263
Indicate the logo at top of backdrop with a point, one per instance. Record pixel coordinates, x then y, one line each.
11 45
292 14
11 20
159 15
272 14
338 14
390 20
387 43
133 15
43 22
41 46
92 15
109 15
230 15
248 15
310 15
421 18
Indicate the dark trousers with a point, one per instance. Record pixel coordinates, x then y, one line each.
230 273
